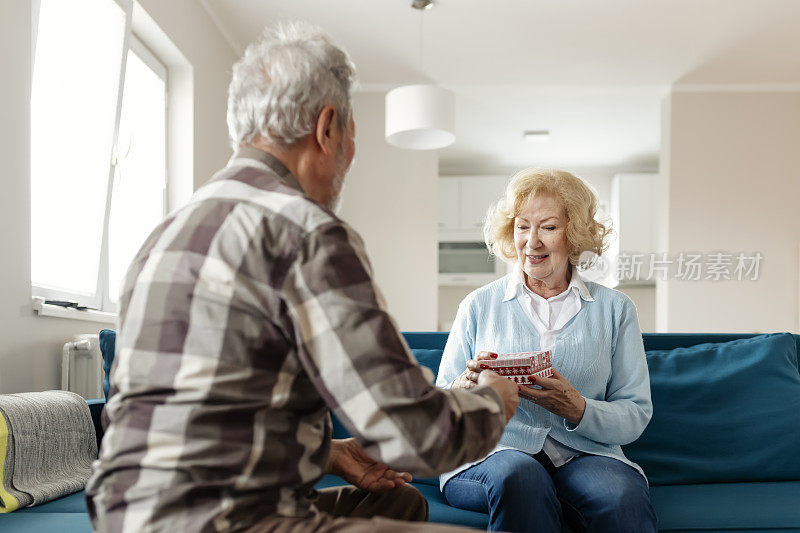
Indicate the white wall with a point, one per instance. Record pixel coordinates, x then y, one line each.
192 30
30 346
450 297
644 298
733 183
390 199
663 214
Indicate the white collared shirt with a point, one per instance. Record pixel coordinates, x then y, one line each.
548 317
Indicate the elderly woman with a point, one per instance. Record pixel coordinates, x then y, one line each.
560 457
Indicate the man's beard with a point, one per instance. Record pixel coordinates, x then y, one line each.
337 185
335 203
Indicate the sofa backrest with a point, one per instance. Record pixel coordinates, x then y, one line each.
723 412
652 341
716 433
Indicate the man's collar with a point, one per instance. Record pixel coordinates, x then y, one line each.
516 283
255 157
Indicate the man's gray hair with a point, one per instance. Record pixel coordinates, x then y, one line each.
284 80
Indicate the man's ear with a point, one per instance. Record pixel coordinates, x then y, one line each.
326 121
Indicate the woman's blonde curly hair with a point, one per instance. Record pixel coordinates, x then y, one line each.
579 201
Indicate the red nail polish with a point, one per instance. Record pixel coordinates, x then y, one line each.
484 366
494 356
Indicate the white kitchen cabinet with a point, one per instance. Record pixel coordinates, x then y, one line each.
478 193
449 195
634 212
463 203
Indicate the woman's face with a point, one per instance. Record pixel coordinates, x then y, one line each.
540 238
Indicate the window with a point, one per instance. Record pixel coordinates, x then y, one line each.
138 195
98 149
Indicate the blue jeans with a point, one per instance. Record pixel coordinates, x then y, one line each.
520 493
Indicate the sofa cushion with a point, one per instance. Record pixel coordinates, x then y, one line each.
724 412
438 509
429 340
71 503
20 522
721 506
428 358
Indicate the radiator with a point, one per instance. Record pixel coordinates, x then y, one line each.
82 366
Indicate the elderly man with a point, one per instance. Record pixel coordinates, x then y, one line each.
249 314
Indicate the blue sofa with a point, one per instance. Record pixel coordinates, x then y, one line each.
722 451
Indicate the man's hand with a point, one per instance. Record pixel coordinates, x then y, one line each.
558 396
349 461
506 388
469 377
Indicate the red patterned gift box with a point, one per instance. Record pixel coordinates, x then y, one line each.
522 367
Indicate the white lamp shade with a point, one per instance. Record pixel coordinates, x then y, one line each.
420 117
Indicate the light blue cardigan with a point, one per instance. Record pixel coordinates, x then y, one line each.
600 351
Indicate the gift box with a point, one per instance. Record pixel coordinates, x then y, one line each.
521 368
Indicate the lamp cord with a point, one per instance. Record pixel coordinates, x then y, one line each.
421 41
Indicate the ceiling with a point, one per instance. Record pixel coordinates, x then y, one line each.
593 72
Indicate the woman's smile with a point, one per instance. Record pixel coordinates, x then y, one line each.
536 259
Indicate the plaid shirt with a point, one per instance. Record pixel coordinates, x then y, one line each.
245 318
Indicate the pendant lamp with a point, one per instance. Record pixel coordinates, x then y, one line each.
420 117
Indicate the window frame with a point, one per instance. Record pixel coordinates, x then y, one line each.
101 299
136 46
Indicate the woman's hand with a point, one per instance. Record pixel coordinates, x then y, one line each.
558 396
469 377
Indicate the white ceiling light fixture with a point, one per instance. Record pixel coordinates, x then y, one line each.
420 117
536 136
